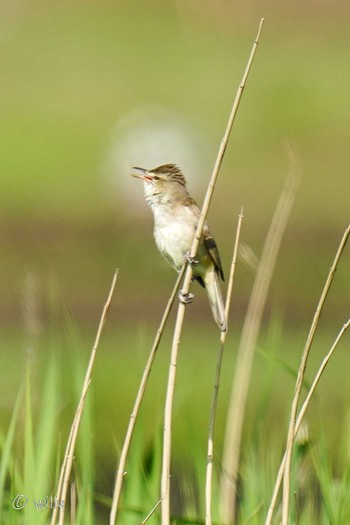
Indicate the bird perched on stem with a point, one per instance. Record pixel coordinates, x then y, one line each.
176 217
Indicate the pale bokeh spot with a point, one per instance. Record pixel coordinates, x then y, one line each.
149 136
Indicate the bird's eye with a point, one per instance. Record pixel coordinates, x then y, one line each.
156 177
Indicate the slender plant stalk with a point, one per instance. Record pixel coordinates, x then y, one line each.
63 468
70 453
151 512
165 475
210 450
234 425
73 504
138 401
68 458
300 378
300 419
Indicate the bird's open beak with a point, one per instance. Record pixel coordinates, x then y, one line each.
145 175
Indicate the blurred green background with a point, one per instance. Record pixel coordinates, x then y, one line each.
90 89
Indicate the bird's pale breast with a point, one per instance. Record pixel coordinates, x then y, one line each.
174 233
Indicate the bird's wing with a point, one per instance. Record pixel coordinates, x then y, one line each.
208 240
210 245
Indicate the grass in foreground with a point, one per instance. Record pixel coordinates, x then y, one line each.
33 442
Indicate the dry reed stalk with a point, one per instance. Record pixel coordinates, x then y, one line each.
300 419
68 457
165 475
234 425
300 378
73 504
210 449
151 512
138 401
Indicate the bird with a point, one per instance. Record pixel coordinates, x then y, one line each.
176 217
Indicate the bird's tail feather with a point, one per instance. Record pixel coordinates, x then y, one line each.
215 299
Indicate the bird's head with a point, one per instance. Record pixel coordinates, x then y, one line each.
162 181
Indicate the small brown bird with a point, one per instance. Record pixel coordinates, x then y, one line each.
176 217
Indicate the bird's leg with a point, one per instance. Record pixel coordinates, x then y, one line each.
186 298
190 260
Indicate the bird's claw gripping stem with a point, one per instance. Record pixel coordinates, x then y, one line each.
186 298
190 260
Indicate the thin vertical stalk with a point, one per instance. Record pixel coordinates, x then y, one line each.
69 453
165 475
210 450
236 411
138 401
300 419
300 378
